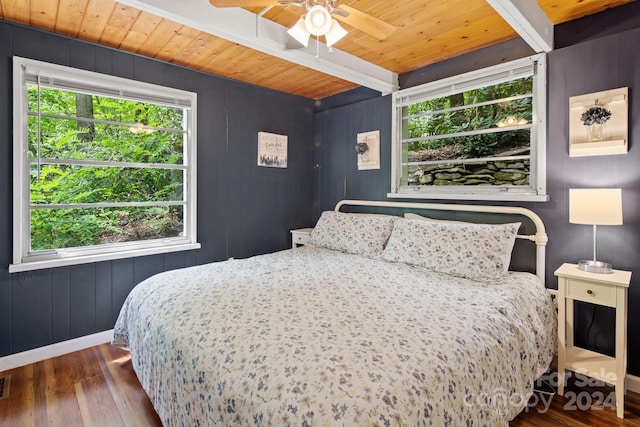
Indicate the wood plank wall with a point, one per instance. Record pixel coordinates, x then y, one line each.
243 209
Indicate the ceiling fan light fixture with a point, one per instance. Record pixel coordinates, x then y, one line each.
299 32
335 33
318 20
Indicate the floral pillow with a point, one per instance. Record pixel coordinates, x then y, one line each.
475 251
361 234
410 215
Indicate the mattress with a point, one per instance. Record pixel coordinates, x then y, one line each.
312 336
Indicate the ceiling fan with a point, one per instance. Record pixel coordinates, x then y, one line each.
320 19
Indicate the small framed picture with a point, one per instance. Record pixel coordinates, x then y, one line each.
598 123
368 149
272 150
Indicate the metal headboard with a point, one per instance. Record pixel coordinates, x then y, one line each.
540 238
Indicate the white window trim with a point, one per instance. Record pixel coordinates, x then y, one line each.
22 260
537 191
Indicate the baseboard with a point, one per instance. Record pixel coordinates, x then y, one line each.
633 383
58 349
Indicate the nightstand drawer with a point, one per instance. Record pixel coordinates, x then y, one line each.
300 238
591 292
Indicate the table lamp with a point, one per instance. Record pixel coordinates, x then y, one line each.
595 206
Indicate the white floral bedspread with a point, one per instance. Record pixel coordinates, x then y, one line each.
314 337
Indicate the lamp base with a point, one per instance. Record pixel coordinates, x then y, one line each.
595 266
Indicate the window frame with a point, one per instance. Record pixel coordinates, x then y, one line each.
77 80
535 66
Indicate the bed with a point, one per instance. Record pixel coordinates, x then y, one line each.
379 320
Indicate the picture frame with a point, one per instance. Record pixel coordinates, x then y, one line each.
598 123
368 150
272 150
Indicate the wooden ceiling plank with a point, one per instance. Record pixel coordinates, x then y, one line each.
282 76
226 59
432 39
159 37
451 44
215 49
222 63
1 11
561 11
70 16
212 48
17 11
217 62
235 63
456 41
288 80
176 43
44 13
119 24
310 85
95 19
140 31
191 51
324 85
291 79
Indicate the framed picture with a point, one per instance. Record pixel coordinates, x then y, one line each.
598 123
272 150
368 149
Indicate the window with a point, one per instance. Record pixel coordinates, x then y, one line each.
104 167
477 136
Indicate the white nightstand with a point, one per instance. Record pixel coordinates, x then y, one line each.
300 236
603 289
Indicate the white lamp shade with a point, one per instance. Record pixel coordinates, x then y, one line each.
318 20
595 206
335 33
299 32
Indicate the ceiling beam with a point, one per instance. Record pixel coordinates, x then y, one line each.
529 21
243 27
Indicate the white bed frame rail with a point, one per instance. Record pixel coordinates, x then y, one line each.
540 238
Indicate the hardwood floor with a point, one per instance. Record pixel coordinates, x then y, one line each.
581 406
92 387
98 387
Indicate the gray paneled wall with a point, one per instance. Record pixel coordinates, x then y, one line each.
605 63
336 174
243 209
608 62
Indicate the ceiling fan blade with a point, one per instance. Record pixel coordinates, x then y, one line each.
243 3
363 22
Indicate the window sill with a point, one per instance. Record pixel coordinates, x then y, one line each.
86 259
505 197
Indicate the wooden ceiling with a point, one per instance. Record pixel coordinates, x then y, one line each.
428 31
